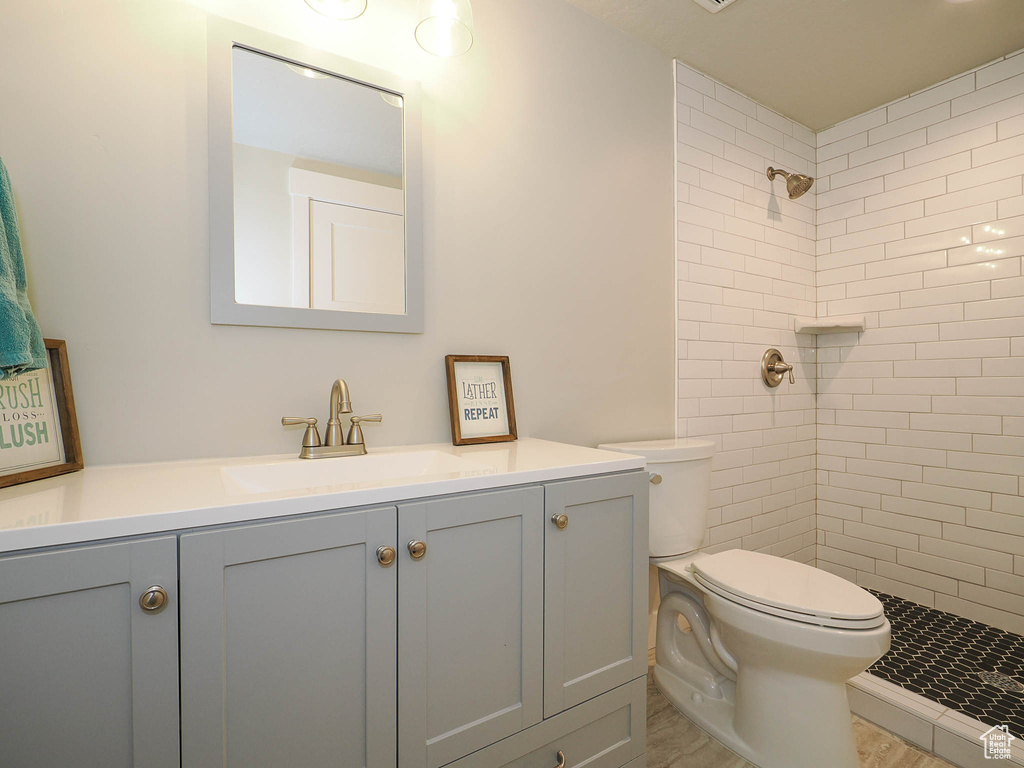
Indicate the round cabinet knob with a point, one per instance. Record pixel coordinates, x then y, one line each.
655 478
561 521
417 549
154 599
386 555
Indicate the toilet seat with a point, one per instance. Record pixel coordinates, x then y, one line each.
803 618
785 588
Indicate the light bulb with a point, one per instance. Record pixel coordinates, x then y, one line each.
338 9
445 27
312 74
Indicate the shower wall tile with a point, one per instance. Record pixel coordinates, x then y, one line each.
745 267
899 126
907 440
930 97
920 456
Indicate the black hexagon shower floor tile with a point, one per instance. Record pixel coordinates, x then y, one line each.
958 663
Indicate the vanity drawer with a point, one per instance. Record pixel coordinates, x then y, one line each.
605 732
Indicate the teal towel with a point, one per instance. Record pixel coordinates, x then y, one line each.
21 341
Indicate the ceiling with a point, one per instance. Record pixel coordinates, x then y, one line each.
820 62
274 106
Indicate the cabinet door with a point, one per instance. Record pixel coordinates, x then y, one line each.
288 636
595 587
470 623
87 677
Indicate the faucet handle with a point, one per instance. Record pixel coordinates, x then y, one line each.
355 434
371 417
773 367
781 368
311 439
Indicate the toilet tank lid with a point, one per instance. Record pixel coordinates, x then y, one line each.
665 451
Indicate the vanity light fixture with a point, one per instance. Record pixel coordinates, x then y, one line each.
344 10
445 27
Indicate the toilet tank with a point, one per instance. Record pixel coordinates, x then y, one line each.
679 503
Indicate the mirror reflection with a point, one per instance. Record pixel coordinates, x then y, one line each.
319 198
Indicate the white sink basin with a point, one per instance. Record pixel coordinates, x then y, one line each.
349 472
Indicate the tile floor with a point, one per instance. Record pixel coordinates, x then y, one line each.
949 734
675 742
943 657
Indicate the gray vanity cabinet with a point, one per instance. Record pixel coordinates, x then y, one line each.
288 644
595 587
485 629
87 676
470 612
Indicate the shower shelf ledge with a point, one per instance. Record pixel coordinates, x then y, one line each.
843 324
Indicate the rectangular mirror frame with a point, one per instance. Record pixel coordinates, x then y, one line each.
222 37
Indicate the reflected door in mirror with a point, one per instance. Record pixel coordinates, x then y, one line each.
357 262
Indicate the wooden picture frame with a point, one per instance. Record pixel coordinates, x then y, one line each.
22 401
471 404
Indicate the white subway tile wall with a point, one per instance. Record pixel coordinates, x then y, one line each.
916 221
746 261
920 458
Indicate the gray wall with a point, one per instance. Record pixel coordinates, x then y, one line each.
548 231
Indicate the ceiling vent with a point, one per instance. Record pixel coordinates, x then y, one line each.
713 5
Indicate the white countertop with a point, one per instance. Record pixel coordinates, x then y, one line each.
131 499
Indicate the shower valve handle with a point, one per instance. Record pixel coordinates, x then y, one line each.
783 368
773 367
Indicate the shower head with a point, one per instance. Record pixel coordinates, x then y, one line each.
796 183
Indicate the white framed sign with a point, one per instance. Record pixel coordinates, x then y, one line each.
480 399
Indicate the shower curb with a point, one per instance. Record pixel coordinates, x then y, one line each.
945 732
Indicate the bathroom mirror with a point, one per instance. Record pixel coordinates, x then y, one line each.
315 213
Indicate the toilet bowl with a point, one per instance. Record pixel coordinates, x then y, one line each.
770 642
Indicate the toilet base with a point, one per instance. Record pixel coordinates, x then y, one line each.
769 687
717 716
708 713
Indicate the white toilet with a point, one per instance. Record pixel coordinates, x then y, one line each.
772 642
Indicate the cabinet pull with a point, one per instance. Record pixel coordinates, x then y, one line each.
561 759
561 521
385 556
154 599
417 549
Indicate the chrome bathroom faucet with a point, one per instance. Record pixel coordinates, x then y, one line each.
336 444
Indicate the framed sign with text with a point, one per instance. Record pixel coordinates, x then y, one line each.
480 399
38 425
